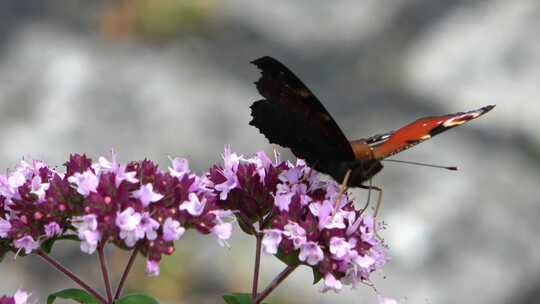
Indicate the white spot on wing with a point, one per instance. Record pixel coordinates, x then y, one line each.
458 120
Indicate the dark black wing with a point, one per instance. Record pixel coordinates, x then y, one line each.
291 116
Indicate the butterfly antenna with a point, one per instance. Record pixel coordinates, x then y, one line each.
453 168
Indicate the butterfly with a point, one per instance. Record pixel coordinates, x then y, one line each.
291 116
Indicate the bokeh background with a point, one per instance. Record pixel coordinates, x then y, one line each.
153 78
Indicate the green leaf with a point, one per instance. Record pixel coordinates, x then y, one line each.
5 247
317 276
48 244
237 298
137 298
78 295
247 228
290 259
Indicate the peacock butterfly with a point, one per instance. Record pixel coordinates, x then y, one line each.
291 116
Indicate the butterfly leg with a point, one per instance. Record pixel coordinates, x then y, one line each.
368 201
344 187
377 207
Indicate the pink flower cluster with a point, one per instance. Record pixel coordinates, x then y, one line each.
137 205
130 205
20 297
295 210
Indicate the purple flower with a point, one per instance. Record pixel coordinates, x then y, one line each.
295 233
311 253
21 297
90 240
122 175
230 183
135 226
27 243
52 229
148 226
5 227
5 188
339 247
86 182
301 190
200 184
39 188
87 231
103 165
353 223
292 175
194 206
180 167
283 200
331 283
231 160
262 162
147 195
30 168
223 231
271 240
152 268
16 179
378 253
284 195
368 235
86 222
106 166
223 226
363 261
128 221
172 231
326 218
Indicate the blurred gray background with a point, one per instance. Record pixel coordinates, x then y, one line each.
153 78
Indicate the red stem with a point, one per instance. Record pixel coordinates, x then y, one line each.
275 283
125 273
104 271
257 266
70 275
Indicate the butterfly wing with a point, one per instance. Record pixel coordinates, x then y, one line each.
388 144
291 116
